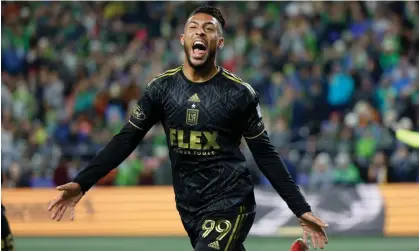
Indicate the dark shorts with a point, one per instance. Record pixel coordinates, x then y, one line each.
6 235
219 231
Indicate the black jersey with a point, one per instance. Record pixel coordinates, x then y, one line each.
204 124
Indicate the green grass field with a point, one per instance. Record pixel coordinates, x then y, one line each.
182 244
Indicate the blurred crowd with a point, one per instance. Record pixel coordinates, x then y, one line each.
334 78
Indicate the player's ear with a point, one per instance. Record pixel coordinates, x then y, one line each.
220 43
182 39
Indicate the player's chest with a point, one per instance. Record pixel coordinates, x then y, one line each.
201 106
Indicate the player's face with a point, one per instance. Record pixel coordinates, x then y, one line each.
201 39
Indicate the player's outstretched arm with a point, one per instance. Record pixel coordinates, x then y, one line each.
113 154
116 151
272 166
143 116
268 160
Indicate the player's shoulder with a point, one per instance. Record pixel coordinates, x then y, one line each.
236 82
163 77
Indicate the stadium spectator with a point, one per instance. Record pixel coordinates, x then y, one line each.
321 176
379 171
345 172
128 173
404 163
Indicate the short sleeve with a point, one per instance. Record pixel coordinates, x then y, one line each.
146 112
254 125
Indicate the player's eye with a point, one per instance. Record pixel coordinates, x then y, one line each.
210 28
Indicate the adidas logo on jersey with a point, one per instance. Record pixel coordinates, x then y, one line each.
214 245
194 98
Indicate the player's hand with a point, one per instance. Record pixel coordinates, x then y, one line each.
313 227
70 195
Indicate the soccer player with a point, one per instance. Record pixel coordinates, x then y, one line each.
6 235
205 111
7 243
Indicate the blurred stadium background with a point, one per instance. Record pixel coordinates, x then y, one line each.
333 78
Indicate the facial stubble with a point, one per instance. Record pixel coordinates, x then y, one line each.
210 58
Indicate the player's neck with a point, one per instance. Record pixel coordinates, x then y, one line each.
201 75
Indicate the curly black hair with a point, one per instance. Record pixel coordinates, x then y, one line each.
212 11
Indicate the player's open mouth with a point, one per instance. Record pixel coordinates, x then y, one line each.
198 49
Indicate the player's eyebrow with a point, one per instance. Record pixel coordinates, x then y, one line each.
210 23
192 22
205 23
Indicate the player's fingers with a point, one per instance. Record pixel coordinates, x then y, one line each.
56 211
320 241
305 238
316 220
54 202
324 236
313 240
64 187
61 213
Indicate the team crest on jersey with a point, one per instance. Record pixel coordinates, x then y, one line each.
192 116
138 113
